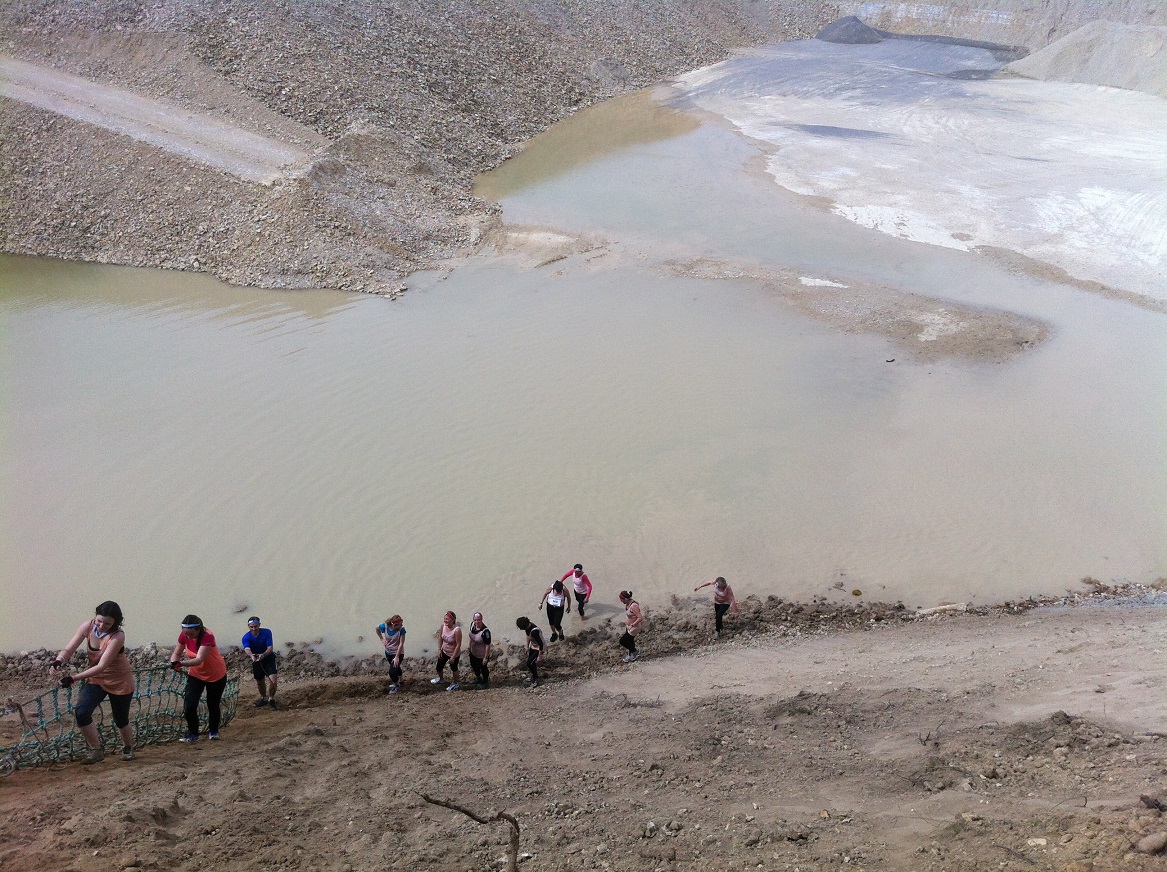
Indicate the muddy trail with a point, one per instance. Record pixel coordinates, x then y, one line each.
1023 738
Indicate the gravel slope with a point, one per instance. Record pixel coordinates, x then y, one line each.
417 98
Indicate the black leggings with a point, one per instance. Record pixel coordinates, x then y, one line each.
481 669
394 668
579 598
533 662
629 642
719 610
91 697
555 617
194 691
444 658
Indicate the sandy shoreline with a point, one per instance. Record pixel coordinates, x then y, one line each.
1021 737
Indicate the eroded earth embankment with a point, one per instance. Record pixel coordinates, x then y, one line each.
843 737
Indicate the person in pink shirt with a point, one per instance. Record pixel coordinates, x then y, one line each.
723 600
449 650
633 621
581 586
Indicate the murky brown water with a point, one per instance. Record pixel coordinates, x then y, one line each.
327 459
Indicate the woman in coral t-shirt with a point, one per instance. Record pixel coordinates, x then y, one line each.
207 670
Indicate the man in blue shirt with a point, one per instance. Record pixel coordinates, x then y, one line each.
258 645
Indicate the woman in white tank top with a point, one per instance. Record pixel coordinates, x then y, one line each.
557 600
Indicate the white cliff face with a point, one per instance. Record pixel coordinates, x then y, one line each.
1032 24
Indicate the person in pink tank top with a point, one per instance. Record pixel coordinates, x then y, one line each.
449 637
108 673
723 600
633 622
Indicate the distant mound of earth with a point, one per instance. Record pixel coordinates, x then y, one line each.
1103 53
852 31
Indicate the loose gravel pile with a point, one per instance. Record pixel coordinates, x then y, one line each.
416 98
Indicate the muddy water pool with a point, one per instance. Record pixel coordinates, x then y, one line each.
326 459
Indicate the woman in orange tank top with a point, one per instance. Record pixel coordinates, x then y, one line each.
109 673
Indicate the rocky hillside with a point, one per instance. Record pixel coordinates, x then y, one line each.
415 99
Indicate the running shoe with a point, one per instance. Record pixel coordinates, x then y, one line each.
189 738
127 752
437 680
261 702
393 688
534 684
272 704
93 755
213 736
454 686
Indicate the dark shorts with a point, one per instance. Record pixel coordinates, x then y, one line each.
444 658
267 666
554 615
90 698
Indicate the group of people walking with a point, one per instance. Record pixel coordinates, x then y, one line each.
557 601
109 672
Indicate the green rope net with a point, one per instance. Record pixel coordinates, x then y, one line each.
44 731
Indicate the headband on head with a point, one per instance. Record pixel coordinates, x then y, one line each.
191 626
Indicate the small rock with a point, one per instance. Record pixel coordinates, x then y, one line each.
649 830
1152 844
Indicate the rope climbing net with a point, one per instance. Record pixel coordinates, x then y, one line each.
45 733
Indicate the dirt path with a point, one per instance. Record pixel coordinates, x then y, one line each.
1001 742
198 137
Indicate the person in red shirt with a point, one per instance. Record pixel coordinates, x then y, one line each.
581 586
206 670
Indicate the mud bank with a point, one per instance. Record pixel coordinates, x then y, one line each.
683 624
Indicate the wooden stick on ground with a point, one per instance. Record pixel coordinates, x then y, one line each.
512 852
